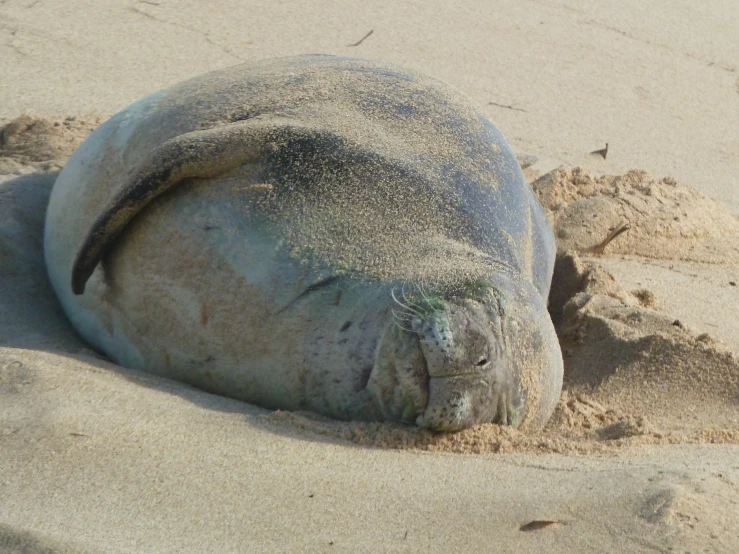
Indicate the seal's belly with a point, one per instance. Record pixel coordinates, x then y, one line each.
218 304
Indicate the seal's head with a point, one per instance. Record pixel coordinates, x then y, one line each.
487 354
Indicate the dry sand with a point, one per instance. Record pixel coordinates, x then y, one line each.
642 453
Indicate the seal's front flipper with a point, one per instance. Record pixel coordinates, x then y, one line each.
199 154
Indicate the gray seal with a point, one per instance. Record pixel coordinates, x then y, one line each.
314 233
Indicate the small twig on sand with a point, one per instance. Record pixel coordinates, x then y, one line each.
361 40
538 524
601 246
602 152
152 2
508 107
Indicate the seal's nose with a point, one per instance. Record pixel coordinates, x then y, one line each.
457 402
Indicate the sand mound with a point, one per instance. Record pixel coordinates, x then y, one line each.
626 355
31 144
633 374
667 220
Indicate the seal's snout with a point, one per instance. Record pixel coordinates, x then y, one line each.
467 370
452 404
456 403
444 370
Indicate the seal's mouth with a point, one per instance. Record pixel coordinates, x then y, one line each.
458 402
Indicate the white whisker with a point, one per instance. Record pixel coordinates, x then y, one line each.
399 326
402 316
399 303
423 293
402 292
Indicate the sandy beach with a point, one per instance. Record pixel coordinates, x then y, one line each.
642 453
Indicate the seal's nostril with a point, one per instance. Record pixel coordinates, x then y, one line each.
482 362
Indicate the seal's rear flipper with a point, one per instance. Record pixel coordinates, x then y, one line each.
199 154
